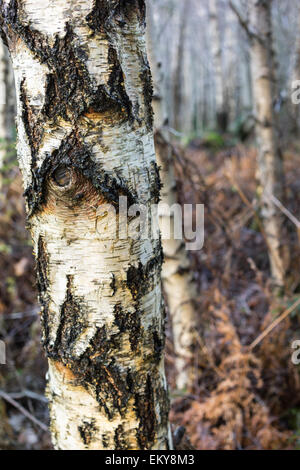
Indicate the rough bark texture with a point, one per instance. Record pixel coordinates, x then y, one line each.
177 274
231 69
270 162
84 139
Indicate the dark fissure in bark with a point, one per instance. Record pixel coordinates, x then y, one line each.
106 12
110 17
73 322
97 370
140 280
146 80
70 90
145 410
129 322
87 431
42 267
76 155
32 124
158 345
156 185
120 439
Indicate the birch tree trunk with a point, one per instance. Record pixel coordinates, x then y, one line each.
231 70
85 139
270 162
2 104
177 274
216 47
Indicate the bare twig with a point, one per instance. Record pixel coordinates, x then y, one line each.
20 315
245 23
273 325
22 410
28 394
285 211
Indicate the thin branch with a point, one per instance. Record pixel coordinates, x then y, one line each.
28 394
245 23
273 325
22 410
20 315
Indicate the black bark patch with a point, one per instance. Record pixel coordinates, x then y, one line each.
76 155
146 80
130 381
96 369
140 280
73 322
136 6
100 15
105 441
116 83
129 322
155 182
87 431
107 13
113 284
158 345
42 267
120 439
70 89
31 121
162 397
145 411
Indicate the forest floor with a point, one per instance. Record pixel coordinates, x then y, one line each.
244 397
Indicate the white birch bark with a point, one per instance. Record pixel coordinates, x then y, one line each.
270 162
177 274
84 139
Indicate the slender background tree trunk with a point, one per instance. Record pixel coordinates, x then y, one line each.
270 162
177 274
179 68
221 112
295 76
7 102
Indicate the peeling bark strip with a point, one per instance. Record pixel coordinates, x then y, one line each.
84 139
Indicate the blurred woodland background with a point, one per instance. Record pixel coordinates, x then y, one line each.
208 59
